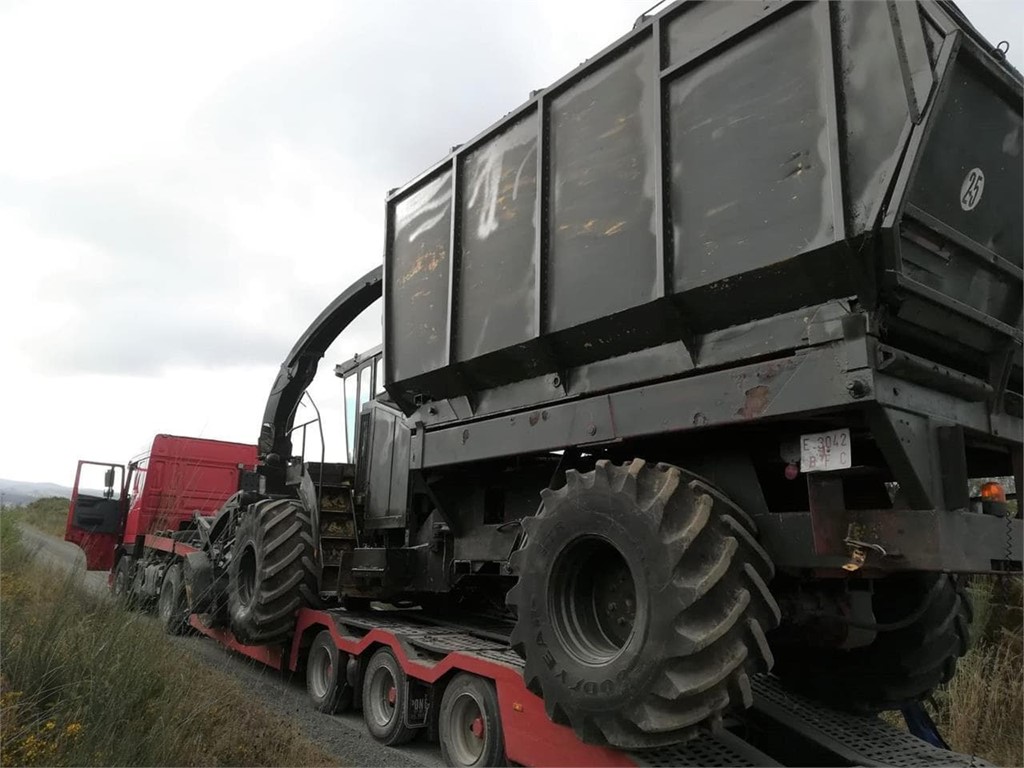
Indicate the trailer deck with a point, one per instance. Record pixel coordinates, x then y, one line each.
781 728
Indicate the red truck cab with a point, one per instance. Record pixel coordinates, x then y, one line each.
157 491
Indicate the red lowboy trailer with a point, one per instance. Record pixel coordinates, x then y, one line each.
461 685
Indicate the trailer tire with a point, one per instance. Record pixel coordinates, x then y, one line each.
172 605
385 694
642 605
273 572
326 680
899 667
469 723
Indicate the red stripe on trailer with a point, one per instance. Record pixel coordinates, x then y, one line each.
165 544
269 655
530 737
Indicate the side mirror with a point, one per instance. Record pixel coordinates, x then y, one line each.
108 479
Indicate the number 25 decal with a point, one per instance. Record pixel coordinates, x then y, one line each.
971 189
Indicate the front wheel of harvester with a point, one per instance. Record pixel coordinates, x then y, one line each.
273 572
385 694
326 682
642 605
928 616
469 723
172 605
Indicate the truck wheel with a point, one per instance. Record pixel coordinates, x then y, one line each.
172 605
642 605
385 693
122 587
901 666
272 572
469 723
325 675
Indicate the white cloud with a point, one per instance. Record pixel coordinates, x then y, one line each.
184 187
96 85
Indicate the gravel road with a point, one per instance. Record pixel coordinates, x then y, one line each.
344 737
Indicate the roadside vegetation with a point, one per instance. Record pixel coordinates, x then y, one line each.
981 710
84 682
48 515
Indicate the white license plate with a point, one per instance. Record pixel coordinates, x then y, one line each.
825 451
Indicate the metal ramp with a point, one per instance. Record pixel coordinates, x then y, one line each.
839 737
782 728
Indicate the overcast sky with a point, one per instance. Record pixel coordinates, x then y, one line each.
184 186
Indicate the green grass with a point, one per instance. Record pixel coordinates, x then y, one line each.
981 710
48 515
83 682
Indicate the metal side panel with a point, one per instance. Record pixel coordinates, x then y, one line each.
866 741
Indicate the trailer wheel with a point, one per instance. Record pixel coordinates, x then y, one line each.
325 675
172 604
642 605
122 587
385 693
273 572
902 665
469 723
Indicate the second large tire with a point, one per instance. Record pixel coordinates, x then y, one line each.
273 571
642 605
902 665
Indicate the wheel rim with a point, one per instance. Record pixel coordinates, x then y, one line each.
592 600
468 732
321 672
247 576
384 697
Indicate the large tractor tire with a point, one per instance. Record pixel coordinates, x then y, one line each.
642 605
273 571
930 616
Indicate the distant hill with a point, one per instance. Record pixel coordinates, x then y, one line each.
18 492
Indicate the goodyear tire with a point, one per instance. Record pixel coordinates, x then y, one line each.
901 666
272 573
642 605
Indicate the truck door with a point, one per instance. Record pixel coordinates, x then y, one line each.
96 511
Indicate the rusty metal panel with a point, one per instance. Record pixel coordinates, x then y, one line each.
602 257
750 154
497 272
418 277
